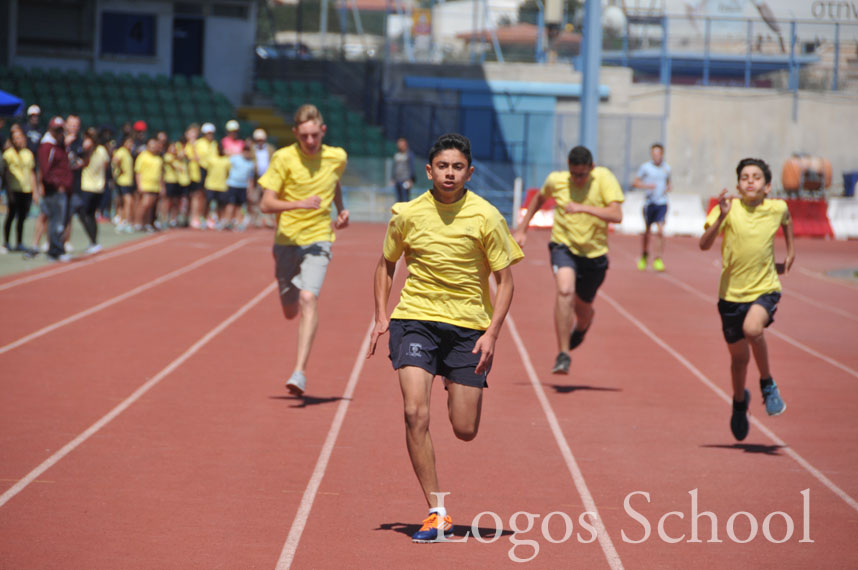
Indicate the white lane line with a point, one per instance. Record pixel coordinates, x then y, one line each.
780 335
83 263
577 477
826 278
94 428
300 520
820 305
122 297
718 391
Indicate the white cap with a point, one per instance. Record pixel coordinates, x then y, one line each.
207 128
33 110
232 125
260 135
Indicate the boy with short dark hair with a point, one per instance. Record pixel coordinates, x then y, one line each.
654 177
444 324
587 198
749 290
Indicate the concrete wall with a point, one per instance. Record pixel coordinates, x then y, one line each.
228 54
710 130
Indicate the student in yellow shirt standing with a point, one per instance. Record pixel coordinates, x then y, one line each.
216 187
203 148
93 180
445 324
587 198
149 170
123 174
301 183
176 183
20 182
749 290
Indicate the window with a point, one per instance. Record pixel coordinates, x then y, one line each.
126 33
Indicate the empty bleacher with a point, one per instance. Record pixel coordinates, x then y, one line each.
346 127
165 103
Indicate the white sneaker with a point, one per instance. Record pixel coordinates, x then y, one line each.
68 247
297 383
94 248
42 248
4 249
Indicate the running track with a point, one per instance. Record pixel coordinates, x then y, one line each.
143 422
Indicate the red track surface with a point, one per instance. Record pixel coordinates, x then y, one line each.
210 465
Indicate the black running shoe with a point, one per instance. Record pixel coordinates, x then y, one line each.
739 420
561 364
577 337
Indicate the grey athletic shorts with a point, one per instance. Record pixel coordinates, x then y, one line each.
300 267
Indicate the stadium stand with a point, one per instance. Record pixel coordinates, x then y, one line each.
346 127
113 99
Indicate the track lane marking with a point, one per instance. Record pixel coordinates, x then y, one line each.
136 395
287 554
577 476
816 473
124 296
83 263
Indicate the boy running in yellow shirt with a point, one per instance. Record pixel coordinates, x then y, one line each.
749 291
301 183
445 324
587 198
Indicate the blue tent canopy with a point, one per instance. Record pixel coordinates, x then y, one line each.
10 105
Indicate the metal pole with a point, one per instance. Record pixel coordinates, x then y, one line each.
748 53
589 134
793 72
323 26
706 39
836 55
540 33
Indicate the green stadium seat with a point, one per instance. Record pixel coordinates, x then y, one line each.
180 82
108 78
280 86
161 80
264 86
198 82
316 90
131 91
113 92
125 78
152 107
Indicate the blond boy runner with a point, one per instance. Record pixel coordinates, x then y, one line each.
444 324
587 198
749 290
300 184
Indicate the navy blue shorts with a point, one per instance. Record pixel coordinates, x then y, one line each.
589 272
733 314
654 213
441 349
174 190
236 195
126 190
219 198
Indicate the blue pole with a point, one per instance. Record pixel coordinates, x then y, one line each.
748 53
589 134
665 73
836 55
540 33
793 67
706 39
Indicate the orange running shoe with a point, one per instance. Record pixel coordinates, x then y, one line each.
429 531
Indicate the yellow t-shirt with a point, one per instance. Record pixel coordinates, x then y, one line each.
450 251
92 176
293 176
150 169
20 164
748 249
583 234
192 165
205 150
123 167
218 172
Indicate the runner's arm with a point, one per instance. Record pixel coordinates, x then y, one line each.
521 230
381 287
613 212
342 214
485 345
789 237
271 204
